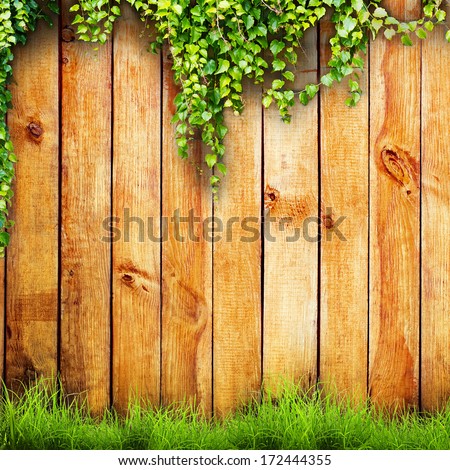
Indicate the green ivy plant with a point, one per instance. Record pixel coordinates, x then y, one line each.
215 45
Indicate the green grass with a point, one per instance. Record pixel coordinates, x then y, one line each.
38 420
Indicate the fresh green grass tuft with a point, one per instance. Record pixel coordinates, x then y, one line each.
38 419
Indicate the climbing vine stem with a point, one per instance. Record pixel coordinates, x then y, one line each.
215 45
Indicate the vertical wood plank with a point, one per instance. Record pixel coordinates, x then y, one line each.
237 262
136 204
86 197
291 201
394 217
186 269
344 248
435 377
32 259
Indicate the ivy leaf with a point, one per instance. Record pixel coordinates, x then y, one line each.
267 100
350 102
406 40
380 13
312 90
303 97
224 5
349 24
278 64
376 24
277 84
222 168
357 5
356 97
358 62
327 80
182 128
77 19
412 25
346 70
344 56
210 67
276 47
221 131
447 36
249 21
288 75
428 10
421 33
224 65
389 33
390 21
440 15
206 115
429 25
210 159
4 238
353 85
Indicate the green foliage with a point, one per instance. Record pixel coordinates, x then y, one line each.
216 45
42 419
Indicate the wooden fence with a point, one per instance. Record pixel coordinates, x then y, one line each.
213 317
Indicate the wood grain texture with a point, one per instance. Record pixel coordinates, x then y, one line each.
86 203
394 217
237 262
32 259
186 268
136 204
435 377
195 332
344 248
291 201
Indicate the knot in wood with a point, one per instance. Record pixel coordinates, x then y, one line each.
396 167
271 196
68 34
127 278
35 129
328 221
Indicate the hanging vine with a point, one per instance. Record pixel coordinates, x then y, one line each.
215 45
